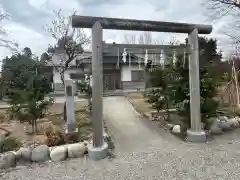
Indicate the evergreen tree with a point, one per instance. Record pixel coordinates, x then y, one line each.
26 88
172 86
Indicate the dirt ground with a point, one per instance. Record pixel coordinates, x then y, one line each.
139 103
19 129
143 107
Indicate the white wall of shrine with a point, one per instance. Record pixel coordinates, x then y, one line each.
57 76
126 74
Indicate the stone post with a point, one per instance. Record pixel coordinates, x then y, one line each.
195 133
70 106
99 149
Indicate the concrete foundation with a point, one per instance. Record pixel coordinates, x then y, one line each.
99 152
193 136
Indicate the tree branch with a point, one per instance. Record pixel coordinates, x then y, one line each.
69 41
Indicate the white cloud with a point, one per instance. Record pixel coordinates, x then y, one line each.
48 6
25 37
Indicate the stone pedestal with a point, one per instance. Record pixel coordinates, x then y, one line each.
70 106
193 136
98 153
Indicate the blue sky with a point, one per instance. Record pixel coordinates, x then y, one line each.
29 16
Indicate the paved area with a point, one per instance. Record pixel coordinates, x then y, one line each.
145 155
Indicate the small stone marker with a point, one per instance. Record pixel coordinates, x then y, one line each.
70 106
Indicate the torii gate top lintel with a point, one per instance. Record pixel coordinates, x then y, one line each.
139 25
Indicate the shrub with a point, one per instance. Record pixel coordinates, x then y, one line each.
2 117
172 84
73 138
54 136
10 144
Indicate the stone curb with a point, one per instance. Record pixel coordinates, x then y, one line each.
43 153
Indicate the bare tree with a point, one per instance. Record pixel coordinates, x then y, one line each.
143 38
229 9
220 8
147 38
130 38
69 42
4 42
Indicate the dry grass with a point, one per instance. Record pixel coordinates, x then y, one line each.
54 118
84 123
139 103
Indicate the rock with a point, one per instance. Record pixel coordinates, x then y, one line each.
225 124
170 126
53 147
176 129
76 150
105 136
24 154
58 153
233 122
214 128
110 142
40 153
154 116
7 160
238 119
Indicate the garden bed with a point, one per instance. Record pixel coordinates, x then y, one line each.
139 102
50 143
227 120
53 120
51 131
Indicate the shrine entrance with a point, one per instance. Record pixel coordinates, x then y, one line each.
111 79
195 133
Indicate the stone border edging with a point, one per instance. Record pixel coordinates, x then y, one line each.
43 153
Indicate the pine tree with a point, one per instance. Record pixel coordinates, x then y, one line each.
26 88
172 88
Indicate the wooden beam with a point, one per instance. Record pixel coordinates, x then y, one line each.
138 25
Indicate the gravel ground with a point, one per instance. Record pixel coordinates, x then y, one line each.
152 155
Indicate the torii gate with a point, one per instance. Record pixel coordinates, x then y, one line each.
98 149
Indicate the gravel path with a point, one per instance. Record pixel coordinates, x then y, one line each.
125 126
153 155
